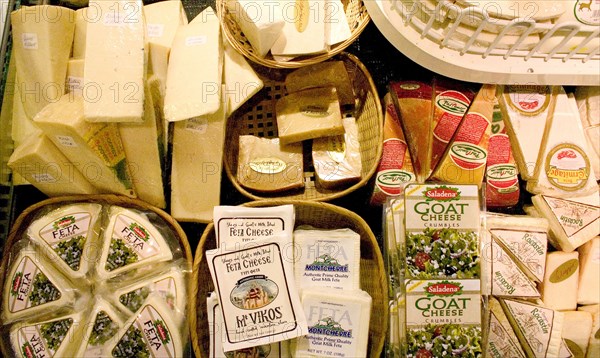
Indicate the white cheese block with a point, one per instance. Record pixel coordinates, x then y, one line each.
336 23
327 259
197 165
303 32
261 21
323 74
33 287
563 166
339 316
115 62
559 288
572 222
152 329
142 145
74 82
95 149
68 237
502 340
538 328
593 350
101 327
42 39
41 163
22 125
193 87
507 279
130 242
526 109
589 272
577 328
82 17
239 79
58 337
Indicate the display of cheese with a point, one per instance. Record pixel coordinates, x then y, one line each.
309 114
75 73
337 159
239 79
559 288
42 39
594 338
303 31
194 89
197 164
507 278
466 155
41 163
82 17
588 101
261 21
101 328
337 28
95 149
502 340
328 73
265 165
142 146
577 329
115 62
563 166
573 222
589 272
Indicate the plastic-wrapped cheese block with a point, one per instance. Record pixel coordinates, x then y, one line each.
82 17
576 332
266 166
337 158
327 259
129 242
303 33
194 89
594 338
507 279
40 162
502 340
328 73
93 148
115 62
43 36
33 287
74 82
589 272
559 288
68 237
239 79
309 114
102 325
54 338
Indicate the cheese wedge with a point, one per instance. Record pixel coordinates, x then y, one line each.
101 327
502 340
194 90
577 328
337 28
197 165
507 279
572 222
594 340
239 79
328 73
82 17
589 272
588 100
559 288
95 149
303 32
6 116
115 62
42 39
22 125
75 73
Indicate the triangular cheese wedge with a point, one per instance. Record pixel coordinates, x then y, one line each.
594 340
502 340
528 248
102 327
239 79
46 339
507 279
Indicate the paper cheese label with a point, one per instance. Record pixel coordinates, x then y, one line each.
131 242
572 216
508 279
45 339
244 230
30 287
500 345
567 167
528 247
30 41
587 12
67 236
534 323
330 332
528 100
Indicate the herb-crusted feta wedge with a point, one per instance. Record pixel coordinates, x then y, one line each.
66 235
100 330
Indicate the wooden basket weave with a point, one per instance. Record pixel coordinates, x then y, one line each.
258 118
321 215
28 215
356 13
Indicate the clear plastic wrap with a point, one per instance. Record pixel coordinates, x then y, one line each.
329 73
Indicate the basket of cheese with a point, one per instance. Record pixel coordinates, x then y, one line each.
314 133
288 277
95 276
291 34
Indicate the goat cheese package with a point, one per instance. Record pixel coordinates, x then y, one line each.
507 279
101 327
327 258
559 288
236 225
576 332
256 290
589 273
328 73
304 32
502 340
594 338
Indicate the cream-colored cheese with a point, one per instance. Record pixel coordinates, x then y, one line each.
100 329
337 28
502 340
577 328
328 73
589 272
82 17
22 125
239 79
75 73
303 31
559 288
594 340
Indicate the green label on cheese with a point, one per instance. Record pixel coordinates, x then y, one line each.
30 287
574 348
564 271
67 235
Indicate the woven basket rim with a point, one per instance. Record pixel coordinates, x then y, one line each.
229 170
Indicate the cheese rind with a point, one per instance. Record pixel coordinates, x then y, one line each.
589 272
559 288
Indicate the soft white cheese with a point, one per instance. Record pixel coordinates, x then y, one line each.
577 329
507 279
101 327
589 273
337 28
304 29
588 99
559 288
75 73
82 17
594 338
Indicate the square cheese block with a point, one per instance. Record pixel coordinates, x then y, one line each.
95 149
593 350
239 79
261 21
42 39
576 332
303 32
115 62
266 166
502 340
82 17
75 73
589 272
337 158
337 28
103 323
309 114
559 288
194 86
507 279
328 73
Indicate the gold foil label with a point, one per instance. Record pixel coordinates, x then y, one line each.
528 100
564 271
567 167
267 165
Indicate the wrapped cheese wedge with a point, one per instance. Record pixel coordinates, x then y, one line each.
507 279
75 73
100 329
303 33
239 79
502 340
559 288
594 339
328 73
577 329
589 272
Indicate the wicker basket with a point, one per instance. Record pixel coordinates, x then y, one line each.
322 215
357 16
258 118
25 219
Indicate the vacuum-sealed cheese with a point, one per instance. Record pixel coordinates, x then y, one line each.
507 278
100 329
559 288
588 100
324 74
594 338
589 273
337 28
75 73
303 32
577 329
502 340
82 17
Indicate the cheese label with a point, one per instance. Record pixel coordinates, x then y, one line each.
587 12
465 152
528 100
131 242
534 323
327 263
67 236
195 40
66 141
508 279
567 167
199 125
337 148
115 18
574 348
45 339
391 178
528 247
74 83
103 330
330 332
43 178
245 230
267 165
165 288
155 30
105 141
30 287
499 343
572 216
564 271
302 15
30 41
148 336
454 105
501 172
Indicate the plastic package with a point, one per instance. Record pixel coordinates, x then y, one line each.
329 73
